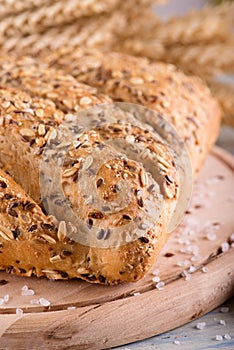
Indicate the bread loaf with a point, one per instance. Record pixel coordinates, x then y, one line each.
184 101
120 180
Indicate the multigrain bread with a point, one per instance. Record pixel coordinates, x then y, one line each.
125 239
124 204
185 101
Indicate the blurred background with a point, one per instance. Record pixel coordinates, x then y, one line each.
195 35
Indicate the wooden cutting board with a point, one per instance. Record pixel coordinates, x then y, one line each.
102 316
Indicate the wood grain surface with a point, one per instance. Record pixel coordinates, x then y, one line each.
104 316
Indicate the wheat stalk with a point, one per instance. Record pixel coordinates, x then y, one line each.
99 31
55 14
13 7
204 26
224 92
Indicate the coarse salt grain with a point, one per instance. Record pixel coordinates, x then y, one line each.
232 237
211 236
34 302
156 279
136 294
6 298
186 275
183 263
224 309
19 312
155 272
27 292
71 308
176 342
205 269
191 269
160 285
24 288
44 302
1 301
200 325
222 322
225 247
227 337
219 337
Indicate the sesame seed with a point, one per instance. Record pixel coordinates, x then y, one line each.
85 100
40 113
130 138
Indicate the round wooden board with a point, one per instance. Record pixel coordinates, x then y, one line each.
105 316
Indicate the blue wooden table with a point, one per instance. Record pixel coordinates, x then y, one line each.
188 337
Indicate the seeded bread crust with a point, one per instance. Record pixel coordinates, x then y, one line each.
185 101
27 119
31 244
25 122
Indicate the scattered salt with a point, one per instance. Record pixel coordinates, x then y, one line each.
195 258
205 269
222 322
156 279
211 236
71 308
27 292
6 298
186 275
24 288
155 272
176 342
19 312
225 247
34 302
224 309
227 337
1 301
191 269
200 325
160 285
183 263
218 337
136 294
44 302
